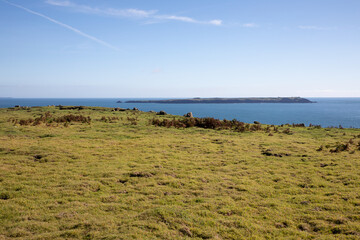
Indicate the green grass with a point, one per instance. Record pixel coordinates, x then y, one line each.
117 180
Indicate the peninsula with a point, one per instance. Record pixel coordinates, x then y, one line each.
227 100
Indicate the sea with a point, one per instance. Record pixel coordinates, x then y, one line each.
327 112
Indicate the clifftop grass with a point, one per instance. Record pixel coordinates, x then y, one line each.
114 175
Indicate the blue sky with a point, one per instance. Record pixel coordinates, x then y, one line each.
187 48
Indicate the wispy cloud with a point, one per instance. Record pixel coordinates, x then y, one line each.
59 3
313 27
129 13
75 30
250 25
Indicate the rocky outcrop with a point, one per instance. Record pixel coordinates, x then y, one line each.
189 115
161 113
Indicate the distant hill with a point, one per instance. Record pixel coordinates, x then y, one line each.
227 100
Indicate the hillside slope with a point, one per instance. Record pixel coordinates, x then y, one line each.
94 173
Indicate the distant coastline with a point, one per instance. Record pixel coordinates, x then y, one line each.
226 100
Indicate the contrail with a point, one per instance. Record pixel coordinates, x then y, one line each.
64 25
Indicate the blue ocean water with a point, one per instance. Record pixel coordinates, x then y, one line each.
325 112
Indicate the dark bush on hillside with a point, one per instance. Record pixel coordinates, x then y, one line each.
207 123
133 121
71 107
25 122
315 126
287 131
255 127
4 196
298 125
320 148
47 118
340 148
109 119
72 118
161 113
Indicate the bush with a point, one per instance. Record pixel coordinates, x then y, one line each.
340 148
4 196
133 121
109 119
207 123
287 131
48 119
298 125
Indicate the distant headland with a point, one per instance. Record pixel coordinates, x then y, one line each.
226 100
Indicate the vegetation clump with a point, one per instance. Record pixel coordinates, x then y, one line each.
4 196
207 123
109 119
48 118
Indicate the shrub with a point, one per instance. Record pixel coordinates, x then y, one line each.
255 127
298 125
207 123
48 119
4 196
315 126
133 121
287 131
340 148
72 118
23 122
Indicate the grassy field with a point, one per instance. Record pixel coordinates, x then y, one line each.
116 176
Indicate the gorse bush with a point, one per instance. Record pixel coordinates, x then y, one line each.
133 121
287 131
340 148
109 119
298 125
207 123
315 126
72 118
234 125
47 118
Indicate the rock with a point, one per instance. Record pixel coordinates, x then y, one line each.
256 122
161 113
151 111
135 109
119 102
189 114
17 106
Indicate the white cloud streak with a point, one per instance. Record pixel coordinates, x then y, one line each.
309 27
312 27
129 13
77 31
59 3
250 25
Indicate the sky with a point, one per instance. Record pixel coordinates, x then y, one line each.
187 48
